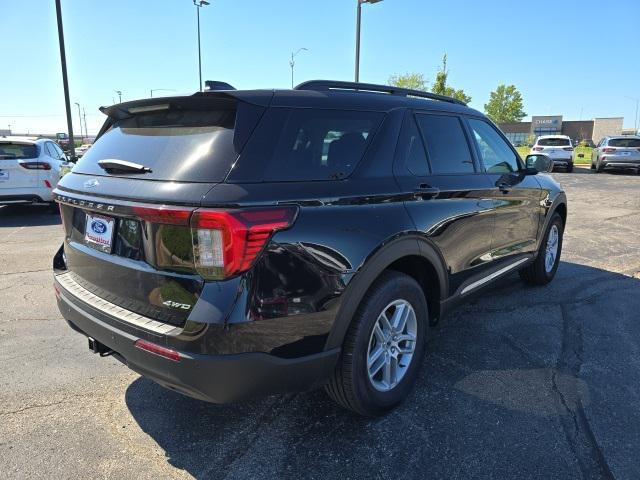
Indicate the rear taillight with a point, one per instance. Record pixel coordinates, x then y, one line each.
568 149
47 184
608 150
227 242
165 214
538 149
35 165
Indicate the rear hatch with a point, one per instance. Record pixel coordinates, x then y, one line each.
128 203
18 166
624 149
554 147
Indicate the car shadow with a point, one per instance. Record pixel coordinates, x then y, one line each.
28 215
519 382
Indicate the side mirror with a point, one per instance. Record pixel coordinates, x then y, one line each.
539 162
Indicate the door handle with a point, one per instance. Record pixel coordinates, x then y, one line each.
426 190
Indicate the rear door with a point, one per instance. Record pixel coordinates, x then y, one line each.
14 162
516 197
451 198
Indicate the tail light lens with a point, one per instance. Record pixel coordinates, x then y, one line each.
227 242
568 149
158 350
537 149
608 150
36 165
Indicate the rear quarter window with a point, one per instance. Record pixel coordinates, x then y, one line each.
306 144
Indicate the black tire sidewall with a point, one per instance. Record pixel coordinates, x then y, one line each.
402 288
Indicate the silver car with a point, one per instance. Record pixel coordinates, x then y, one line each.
620 152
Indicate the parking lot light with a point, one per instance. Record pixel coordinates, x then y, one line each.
358 18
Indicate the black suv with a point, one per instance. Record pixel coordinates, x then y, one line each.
232 243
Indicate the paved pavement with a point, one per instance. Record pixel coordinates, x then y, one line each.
523 382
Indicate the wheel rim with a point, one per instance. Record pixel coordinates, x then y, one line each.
552 248
392 345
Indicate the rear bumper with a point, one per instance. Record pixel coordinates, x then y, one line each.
621 164
213 378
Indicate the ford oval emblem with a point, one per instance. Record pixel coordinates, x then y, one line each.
99 227
91 183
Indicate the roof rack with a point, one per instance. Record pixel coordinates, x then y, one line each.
324 85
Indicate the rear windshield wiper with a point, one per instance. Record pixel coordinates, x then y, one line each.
123 166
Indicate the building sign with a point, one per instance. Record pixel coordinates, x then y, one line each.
547 125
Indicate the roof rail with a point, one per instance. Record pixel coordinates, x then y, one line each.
323 85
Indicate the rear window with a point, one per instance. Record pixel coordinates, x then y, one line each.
625 142
18 151
554 142
177 145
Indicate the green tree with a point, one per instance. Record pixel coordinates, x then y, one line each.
505 105
440 85
415 81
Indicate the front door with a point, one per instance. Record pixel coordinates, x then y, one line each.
516 197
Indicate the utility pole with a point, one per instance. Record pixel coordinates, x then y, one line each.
80 119
84 114
65 83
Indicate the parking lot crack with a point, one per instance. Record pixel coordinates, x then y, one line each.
572 417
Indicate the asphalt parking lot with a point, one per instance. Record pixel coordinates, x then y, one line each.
523 382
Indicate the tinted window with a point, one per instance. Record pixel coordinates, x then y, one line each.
411 152
624 142
177 144
319 144
496 154
554 142
446 144
58 150
17 150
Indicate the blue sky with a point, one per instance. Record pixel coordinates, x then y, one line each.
581 60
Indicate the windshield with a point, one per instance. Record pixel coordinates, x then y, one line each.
554 142
177 145
17 151
625 142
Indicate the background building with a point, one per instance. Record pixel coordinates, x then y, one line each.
593 130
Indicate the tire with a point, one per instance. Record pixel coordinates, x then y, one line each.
570 168
598 168
351 385
538 273
593 167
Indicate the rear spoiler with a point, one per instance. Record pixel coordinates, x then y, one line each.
197 101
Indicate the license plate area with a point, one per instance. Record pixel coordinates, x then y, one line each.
98 232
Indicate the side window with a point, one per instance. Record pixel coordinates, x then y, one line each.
411 151
494 151
58 151
447 147
48 148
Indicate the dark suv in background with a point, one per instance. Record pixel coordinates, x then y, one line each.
232 243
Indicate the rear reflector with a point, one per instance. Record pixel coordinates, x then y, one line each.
158 350
227 242
47 184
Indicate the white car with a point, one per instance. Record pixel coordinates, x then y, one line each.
556 147
82 149
29 169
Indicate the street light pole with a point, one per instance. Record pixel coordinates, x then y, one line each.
119 92
292 62
199 4
635 120
79 118
358 21
65 83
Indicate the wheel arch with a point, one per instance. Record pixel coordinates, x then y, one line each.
411 255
